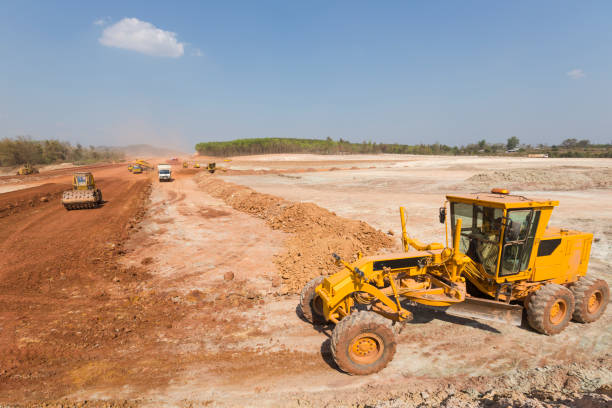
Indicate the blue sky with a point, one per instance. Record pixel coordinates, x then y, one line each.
454 72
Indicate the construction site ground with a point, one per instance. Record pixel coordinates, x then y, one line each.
185 293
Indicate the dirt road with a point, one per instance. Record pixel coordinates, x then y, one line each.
57 279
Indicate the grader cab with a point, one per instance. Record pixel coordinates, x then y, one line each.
512 249
503 258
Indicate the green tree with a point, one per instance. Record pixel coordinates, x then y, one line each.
583 143
512 143
569 143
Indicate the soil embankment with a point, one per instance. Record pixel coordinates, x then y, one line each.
20 200
316 232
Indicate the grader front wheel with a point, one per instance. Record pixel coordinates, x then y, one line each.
310 304
550 309
363 343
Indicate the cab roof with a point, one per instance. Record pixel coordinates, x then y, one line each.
502 200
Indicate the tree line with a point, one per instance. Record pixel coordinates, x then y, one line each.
21 150
568 148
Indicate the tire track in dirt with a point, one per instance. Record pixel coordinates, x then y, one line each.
68 311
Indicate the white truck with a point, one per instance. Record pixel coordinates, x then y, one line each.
164 172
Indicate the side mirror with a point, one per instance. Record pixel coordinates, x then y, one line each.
442 215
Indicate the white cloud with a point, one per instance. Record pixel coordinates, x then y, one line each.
136 35
576 73
102 21
197 53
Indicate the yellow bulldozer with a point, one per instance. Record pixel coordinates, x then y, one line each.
84 193
504 259
26 169
211 167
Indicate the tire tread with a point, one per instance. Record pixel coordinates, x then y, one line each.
579 289
306 297
366 319
537 307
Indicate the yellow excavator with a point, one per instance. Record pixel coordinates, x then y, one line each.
84 193
504 258
145 165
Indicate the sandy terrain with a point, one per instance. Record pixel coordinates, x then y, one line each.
184 293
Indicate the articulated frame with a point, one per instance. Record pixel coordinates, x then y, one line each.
432 275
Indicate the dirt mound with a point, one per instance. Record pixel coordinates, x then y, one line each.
542 387
316 232
186 172
16 201
546 179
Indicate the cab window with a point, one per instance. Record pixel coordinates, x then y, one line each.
518 241
480 233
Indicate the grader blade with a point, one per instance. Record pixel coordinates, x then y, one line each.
489 310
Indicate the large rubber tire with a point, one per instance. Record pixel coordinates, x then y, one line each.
363 343
550 309
310 303
592 297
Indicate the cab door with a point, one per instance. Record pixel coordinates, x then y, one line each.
519 235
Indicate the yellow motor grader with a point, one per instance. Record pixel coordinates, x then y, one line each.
503 258
84 193
26 169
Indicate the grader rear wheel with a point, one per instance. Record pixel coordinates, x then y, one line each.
310 304
592 297
550 309
363 343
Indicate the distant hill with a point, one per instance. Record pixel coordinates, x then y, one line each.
146 150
